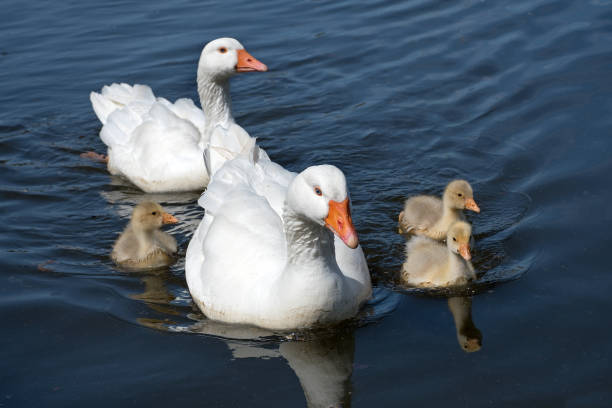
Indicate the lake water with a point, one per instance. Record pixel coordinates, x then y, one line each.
403 96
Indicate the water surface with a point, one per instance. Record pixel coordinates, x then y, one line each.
403 97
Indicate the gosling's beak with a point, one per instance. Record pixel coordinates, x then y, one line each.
339 221
470 204
168 218
472 345
464 250
248 63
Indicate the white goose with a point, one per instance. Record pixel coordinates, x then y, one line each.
158 145
265 253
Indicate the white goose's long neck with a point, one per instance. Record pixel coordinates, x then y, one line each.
215 100
308 244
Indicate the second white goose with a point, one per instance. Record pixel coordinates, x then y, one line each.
158 145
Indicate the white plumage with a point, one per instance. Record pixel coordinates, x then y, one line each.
158 145
262 254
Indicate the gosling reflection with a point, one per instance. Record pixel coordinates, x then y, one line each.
468 335
159 297
155 290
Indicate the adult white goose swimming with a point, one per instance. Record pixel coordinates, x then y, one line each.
158 145
275 249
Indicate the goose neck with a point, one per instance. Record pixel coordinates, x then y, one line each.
215 100
307 242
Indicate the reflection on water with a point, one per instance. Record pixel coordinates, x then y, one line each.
321 359
156 294
124 197
468 335
323 363
512 95
324 367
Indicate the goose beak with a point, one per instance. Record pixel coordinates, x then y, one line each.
464 250
339 221
470 204
168 218
248 63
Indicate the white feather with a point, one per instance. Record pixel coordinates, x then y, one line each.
237 264
158 145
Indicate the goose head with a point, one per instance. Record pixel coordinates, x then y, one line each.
458 239
459 195
225 57
319 194
149 216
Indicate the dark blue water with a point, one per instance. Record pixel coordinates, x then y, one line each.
402 96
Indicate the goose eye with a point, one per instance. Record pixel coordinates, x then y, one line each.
222 50
318 191
154 213
460 195
454 239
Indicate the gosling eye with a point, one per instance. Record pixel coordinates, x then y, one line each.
154 213
460 195
318 191
454 239
222 50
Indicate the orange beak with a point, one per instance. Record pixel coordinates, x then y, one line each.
168 218
339 221
248 63
470 204
464 250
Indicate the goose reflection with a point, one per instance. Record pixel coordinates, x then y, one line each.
324 368
323 363
468 335
124 197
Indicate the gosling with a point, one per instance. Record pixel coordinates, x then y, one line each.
432 264
432 217
142 245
